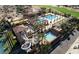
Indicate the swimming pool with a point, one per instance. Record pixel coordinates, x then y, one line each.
50 36
1 44
50 17
1 48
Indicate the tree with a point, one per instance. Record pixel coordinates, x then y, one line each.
24 10
43 10
50 10
10 38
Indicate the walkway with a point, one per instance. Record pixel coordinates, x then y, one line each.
71 50
62 48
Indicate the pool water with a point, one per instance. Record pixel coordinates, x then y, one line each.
1 48
50 37
1 44
50 17
40 21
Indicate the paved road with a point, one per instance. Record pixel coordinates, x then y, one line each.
64 46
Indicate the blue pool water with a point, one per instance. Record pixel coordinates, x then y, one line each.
50 36
1 48
50 17
1 44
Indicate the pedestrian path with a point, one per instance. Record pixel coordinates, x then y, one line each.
74 49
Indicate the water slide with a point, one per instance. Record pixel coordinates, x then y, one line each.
26 46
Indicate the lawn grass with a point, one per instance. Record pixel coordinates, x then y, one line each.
67 11
62 10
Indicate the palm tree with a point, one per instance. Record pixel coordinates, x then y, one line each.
41 37
43 10
10 38
78 27
50 10
64 27
39 13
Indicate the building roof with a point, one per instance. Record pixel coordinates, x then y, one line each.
19 28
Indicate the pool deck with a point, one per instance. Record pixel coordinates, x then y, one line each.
54 22
63 48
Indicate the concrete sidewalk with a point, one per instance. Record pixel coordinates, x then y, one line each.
71 50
